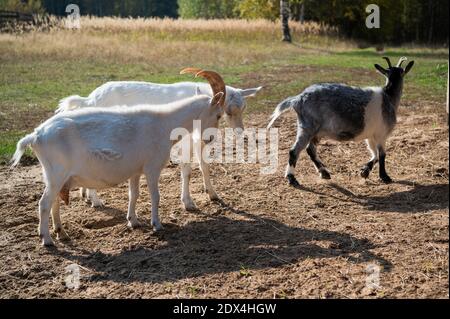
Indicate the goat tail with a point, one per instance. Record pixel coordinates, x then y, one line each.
21 147
280 109
73 102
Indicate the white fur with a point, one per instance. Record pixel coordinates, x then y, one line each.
135 93
134 141
375 129
374 124
290 170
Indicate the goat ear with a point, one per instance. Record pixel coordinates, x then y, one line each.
381 69
409 67
250 92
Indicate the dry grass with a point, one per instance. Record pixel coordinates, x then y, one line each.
67 45
40 23
170 42
218 26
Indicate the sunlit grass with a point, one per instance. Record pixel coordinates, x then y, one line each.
8 141
37 69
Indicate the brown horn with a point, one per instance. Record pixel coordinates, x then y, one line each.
217 84
191 70
388 61
400 62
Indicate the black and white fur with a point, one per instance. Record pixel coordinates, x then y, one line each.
346 113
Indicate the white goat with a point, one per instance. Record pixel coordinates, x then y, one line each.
136 93
102 147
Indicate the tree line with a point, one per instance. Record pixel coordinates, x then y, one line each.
420 21
101 8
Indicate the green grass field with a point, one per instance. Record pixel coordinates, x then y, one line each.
38 69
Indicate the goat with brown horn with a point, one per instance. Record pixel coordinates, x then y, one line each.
125 151
219 97
214 79
128 94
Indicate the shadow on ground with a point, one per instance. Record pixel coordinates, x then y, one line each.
221 245
419 199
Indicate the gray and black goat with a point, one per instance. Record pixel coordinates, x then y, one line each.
346 113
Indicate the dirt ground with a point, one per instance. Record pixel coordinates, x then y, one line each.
265 240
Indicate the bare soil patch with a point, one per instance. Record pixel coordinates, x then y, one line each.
264 240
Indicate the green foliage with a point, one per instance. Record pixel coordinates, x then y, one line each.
262 9
257 9
207 9
401 20
350 16
30 6
124 8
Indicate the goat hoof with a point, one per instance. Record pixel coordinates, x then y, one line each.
189 206
325 174
293 181
134 224
157 227
214 197
97 204
386 179
47 241
62 236
365 171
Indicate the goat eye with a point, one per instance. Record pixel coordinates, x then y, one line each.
219 117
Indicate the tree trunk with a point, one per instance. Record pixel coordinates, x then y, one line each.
284 8
302 12
431 29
